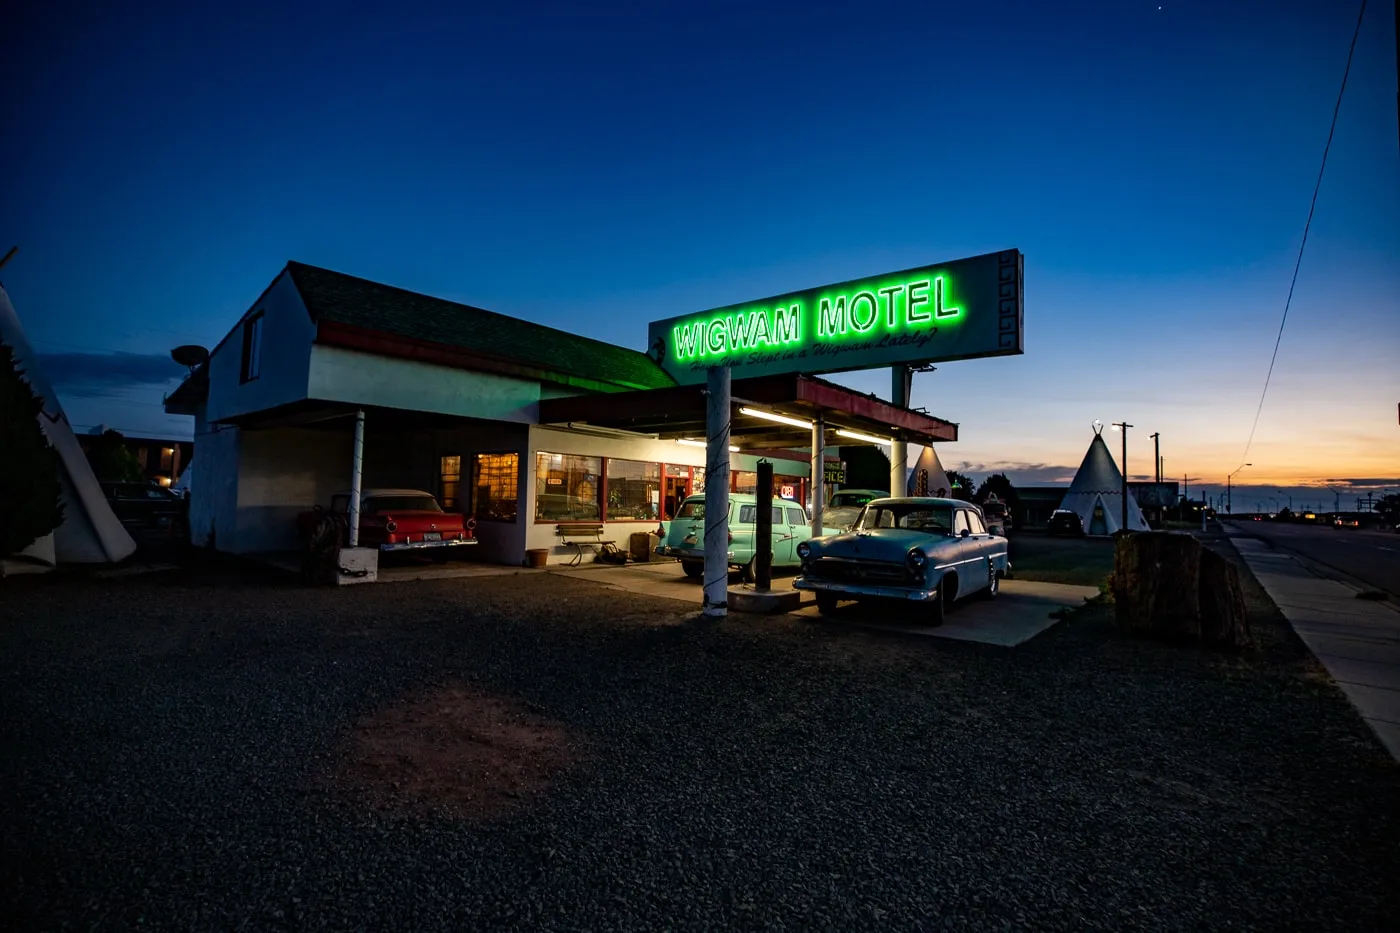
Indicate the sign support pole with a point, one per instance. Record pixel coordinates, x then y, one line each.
763 529
717 428
901 383
818 473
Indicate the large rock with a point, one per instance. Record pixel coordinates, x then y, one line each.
1168 586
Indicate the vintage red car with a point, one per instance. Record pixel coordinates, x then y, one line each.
398 520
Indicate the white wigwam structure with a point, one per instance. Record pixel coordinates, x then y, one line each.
937 476
90 532
1096 494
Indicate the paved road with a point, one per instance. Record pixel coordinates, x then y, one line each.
1372 557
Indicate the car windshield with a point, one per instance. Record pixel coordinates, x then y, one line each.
695 508
935 519
381 504
851 499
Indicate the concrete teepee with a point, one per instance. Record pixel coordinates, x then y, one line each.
937 476
90 533
1096 494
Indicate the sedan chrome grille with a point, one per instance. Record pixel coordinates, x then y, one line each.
843 570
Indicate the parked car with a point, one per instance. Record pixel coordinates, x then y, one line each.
145 504
1066 522
845 505
684 539
913 549
395 520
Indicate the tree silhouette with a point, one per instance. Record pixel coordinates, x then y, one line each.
31 499
960 486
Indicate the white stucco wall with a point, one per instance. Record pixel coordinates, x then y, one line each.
281 473
557 441
286 357
368 379
214 486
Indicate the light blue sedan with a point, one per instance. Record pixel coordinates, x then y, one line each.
922 550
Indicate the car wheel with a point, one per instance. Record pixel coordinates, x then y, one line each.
993 589
746 572
826 603
693 569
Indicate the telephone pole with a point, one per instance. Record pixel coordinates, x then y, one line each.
1124 426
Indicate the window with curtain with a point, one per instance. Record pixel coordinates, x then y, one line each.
567 487
449 479
634 490
497 487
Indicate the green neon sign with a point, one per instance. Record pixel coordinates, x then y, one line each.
956 310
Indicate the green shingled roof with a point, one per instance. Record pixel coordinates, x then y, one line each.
359 302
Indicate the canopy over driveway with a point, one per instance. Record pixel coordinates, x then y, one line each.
679 412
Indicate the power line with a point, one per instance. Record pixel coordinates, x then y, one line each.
1306 227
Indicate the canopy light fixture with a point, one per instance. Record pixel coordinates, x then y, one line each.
689 443
868 438
770 416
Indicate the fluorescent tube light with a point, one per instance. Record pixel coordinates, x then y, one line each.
689 443
869 439
781 419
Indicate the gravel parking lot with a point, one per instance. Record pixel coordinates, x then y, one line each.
180 752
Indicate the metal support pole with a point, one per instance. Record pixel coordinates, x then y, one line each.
901 384
818 473
717 424
763 529
356 471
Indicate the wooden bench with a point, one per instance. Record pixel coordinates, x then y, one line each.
580 534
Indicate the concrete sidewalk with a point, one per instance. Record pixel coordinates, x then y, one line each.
1357 640
1024 610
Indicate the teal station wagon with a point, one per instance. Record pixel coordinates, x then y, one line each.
685 538
923 550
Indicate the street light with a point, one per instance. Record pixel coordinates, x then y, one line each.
1124 426
1290 499
1229 500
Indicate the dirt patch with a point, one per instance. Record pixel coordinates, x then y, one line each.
453 747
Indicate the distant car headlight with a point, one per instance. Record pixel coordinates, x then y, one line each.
804 550
917 559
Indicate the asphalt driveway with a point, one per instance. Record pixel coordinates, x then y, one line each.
198 752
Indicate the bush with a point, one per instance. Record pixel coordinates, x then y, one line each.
31 499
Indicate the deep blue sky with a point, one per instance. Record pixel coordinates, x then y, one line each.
596 170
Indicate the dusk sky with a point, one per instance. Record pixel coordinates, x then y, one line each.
597 166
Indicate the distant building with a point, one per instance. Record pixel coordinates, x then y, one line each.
1034 504
162 459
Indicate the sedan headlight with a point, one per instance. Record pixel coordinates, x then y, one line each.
917 559
804 550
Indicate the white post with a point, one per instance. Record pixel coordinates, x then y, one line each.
356 468
901 379
717 424
818 474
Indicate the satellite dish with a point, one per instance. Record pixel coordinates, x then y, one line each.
191 355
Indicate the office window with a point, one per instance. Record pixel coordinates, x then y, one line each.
449 480
497 487
252 347
634 490
567 487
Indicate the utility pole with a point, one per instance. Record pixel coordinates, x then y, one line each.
1124 426
1157 466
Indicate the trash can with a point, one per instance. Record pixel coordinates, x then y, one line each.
642 545
537 557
